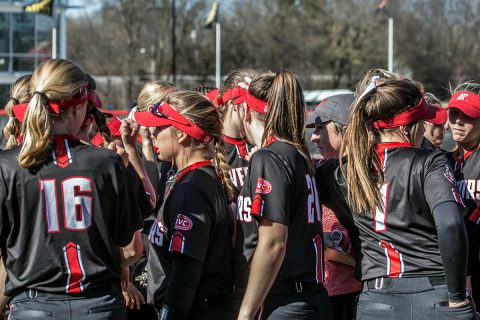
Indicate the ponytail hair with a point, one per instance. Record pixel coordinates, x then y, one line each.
364 172
285 119
197 109
53 80
99 117
19 93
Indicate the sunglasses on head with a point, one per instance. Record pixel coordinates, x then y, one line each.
157 111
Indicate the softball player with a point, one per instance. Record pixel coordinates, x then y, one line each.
464 121
404 213
19 95
69 217
190 264
278 207
236 146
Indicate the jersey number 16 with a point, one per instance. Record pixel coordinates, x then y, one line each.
76 200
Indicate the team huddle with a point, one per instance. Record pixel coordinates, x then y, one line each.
206 203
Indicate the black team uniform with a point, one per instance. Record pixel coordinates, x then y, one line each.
279 188
467 174
190 265
410 252
61 226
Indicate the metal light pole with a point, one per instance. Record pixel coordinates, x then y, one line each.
217 53
174 40
390 41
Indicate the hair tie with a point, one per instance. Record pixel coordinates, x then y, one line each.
41 93
15 101
372 86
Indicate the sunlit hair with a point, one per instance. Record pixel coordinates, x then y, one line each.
233 79
153 92
53 80
285 119
364 172
430 98
468 86
19 94
380 73
197 109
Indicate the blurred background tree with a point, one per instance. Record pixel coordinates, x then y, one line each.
327 43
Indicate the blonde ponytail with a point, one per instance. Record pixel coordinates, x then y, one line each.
19 93
53 80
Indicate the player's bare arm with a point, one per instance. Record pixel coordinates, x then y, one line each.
131 252
268 257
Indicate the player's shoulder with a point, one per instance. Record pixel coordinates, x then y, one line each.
9 155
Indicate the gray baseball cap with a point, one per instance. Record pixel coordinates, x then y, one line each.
335 108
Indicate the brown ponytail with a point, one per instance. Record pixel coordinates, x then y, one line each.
364 172
286 117
19 93
53 80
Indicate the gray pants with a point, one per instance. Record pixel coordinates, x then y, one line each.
33 305
409 299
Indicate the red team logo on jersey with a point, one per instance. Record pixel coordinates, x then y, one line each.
449 174
183 223
263 186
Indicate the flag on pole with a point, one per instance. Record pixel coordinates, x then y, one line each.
212 16
42 7
381 6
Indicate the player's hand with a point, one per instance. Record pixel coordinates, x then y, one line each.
132 296
458 304
252 151
145 134
120 151
129 130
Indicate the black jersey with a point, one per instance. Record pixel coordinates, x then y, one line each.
467 174
237 150
400 240
279 188
61 224
194 221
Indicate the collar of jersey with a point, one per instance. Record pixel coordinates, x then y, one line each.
192 167
389 145
237 142
60 137
456 154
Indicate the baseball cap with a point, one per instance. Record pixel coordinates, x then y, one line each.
467 102
335 108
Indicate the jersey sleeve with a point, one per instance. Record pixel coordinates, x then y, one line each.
128 218
439 181
190 217
270 187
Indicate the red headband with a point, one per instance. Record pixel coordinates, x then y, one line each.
231 94
214 97
422 111
93 98
467 102
114 126
253 103
164 115
19 110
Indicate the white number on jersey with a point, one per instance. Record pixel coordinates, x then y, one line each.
77 203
